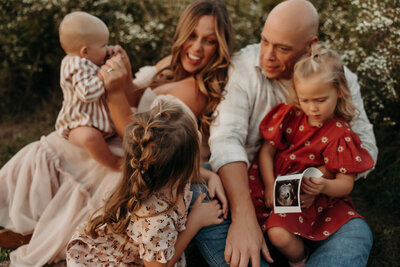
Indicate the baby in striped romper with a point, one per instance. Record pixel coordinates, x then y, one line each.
84 118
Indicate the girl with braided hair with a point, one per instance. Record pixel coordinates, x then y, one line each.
145 220
312 131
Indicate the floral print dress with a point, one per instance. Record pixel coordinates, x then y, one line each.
149 238
299 146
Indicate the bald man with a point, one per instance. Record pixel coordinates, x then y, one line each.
260 78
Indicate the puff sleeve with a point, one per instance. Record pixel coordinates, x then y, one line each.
274 126
346 154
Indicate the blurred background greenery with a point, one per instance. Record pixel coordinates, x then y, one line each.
365 32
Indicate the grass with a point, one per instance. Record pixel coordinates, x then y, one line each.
375 198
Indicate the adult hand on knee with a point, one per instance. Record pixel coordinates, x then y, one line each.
244 242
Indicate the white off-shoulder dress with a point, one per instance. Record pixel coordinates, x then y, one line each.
51 186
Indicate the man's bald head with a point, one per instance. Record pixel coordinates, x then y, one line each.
295 16
289 31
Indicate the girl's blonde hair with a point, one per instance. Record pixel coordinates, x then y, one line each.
161 152
327 64
212 77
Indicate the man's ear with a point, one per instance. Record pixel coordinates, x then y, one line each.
83 52
312 41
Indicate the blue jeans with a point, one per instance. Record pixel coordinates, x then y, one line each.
349 246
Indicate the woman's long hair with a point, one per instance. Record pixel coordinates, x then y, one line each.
327 64
213 76
161 151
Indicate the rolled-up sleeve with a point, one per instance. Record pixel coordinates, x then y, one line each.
228 132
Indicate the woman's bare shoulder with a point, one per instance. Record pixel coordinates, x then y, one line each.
187 91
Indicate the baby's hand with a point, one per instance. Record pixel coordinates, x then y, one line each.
313 186
205 214
269 198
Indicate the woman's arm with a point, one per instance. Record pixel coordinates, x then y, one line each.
115 81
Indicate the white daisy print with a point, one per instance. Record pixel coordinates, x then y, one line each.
301 220
265 214
255 166
307 143
280 125
338 124
311 237
292 156
324 139
343 170
311 156
296 233
274 117
283 215
288 130
270 129
326 233
328 219
252 177
291 146
301 128
272 143
340 149
358 159
351 213
320 209
362 146
326 160
347 138
263 227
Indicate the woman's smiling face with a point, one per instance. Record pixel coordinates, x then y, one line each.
200 46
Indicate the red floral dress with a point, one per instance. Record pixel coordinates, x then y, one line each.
299 146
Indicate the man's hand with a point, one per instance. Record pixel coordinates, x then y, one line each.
244 242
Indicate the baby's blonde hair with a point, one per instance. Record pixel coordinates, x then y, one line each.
161 151
77 28
327 64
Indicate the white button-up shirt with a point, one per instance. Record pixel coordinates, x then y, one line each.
249 96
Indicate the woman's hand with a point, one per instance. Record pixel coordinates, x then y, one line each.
118 50
205 213
114 74
215 188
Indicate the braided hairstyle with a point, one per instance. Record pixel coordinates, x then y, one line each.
327 64
161 151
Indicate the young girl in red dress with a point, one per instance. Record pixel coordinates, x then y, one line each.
312 131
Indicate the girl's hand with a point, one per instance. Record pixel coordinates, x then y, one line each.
306 200
205 214
313 186
215 188
114 74
269 198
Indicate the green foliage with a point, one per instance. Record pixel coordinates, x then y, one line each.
365 32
